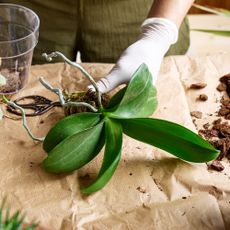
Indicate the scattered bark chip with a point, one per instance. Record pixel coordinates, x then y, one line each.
208 133
225 108
218 133
221 87
216 165
203 97
206 126
196 114
200 85
223 111
142 190
225 101
226 80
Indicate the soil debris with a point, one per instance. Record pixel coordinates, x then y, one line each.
199 85
196 114
226 80
219 136
224 111
218 133
216 165
16 79
206 126
88 97
203 97
208 133
142 190
221 87
224 108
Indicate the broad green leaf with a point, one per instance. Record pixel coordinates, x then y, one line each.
214 10
112 155
2 80
68 126
217 32
74 151
170 137
116 98
140 98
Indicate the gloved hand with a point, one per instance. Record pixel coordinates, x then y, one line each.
157 34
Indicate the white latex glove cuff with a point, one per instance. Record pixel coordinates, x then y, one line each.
157 34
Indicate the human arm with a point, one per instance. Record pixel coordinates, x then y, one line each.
173 10
158 32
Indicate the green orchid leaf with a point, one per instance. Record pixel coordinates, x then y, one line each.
74 151
225 33
139 99
112 155
170 137
116 98
69 126
214 10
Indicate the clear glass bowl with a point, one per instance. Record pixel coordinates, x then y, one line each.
19 29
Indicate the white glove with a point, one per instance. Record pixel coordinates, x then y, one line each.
157 34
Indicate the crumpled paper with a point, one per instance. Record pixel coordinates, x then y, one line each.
150 189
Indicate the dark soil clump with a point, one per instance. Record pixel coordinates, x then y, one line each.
218 133
219 136
88 97
199 85
196 114
203 97
15 80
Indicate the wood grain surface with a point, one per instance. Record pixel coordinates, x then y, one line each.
216 3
